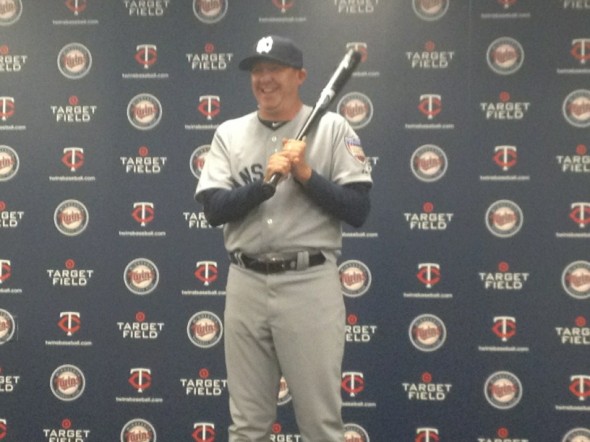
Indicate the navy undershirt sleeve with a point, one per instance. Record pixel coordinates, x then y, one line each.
221 205
349 203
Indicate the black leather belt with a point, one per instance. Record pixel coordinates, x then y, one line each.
274 265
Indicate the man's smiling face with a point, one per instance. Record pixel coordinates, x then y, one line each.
276 89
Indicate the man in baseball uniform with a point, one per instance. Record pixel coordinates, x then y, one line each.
284 312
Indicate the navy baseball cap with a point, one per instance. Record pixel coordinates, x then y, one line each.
274 48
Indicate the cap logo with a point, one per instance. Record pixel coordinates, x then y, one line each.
264 45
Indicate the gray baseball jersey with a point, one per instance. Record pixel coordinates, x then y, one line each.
289 221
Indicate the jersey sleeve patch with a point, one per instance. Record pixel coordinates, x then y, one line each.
354 148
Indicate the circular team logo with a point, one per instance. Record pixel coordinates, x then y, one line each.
504 219
7 326
576 108
198 159
575 279
427 332
210 11
577 435
355 433
503 390
10 11
429 163
204 329
505 56
74 61
355 278
139 430
71 217
9 163
144 111
357 108
67 383
141 276
430 10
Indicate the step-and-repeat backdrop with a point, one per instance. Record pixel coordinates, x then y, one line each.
467 290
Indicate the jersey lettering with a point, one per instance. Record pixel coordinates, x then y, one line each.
255 172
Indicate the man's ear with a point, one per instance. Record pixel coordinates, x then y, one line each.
302 75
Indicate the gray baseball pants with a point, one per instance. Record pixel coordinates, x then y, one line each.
289 323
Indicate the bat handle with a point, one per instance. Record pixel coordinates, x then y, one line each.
269 187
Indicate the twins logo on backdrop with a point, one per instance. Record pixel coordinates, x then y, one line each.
576 108
429 163
577 435
505 56
146 55
10 12
427 332
9 163
203 432
141 276
504 218
140 379
74 61
210 11
355 433
7 326
144 111
209 108
505 328
575 279
6 273
197 159
143 214
71 217
67 383
505 158
355 278
138 430
427 434
430 111
204 329
70 322
430 10
356 108
353 384
503 390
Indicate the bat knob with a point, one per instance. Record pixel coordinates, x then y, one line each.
269 187
268 190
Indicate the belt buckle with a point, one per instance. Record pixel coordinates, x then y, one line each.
275 265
